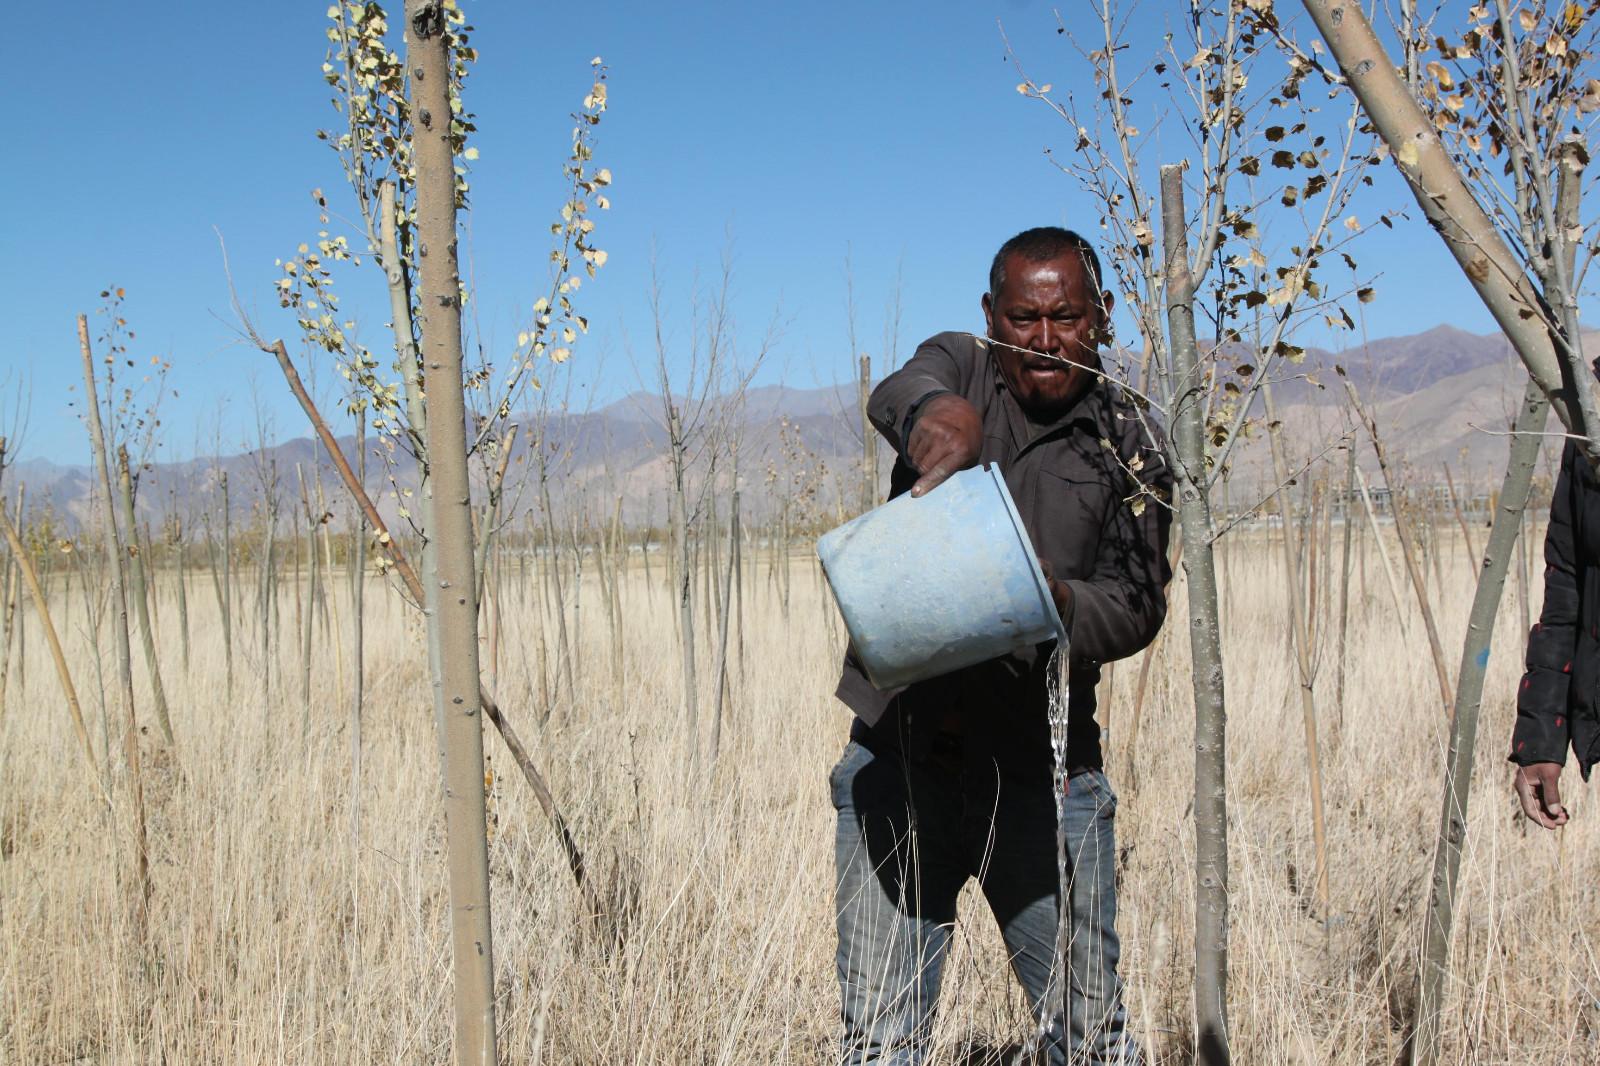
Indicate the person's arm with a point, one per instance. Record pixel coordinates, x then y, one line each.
1542 732
1119 609
920 412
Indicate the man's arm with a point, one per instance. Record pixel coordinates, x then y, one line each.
920 412
1542 733
1119 609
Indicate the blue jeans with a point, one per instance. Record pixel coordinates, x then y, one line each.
909 836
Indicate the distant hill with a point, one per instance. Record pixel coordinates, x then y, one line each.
1443 396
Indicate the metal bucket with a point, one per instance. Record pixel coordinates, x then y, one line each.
931 585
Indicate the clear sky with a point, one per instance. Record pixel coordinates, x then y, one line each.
789 135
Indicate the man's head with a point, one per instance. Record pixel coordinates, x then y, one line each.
1044 296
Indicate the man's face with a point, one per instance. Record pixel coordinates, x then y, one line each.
1052 308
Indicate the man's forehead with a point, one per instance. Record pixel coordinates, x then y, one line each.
1064 275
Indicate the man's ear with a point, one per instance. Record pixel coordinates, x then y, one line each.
988 315
1107 302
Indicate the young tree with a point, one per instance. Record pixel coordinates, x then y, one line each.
408 126
450 584
1512 97
118 581
1254 275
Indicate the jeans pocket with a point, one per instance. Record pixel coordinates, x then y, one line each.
1094 782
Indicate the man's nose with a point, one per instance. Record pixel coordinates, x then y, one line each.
1049 337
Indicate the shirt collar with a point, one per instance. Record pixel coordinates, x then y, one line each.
1089 408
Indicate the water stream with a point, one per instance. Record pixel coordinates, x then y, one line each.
1054 1003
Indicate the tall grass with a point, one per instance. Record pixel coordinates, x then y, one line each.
278 936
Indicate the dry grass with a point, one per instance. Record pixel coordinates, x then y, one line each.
277 935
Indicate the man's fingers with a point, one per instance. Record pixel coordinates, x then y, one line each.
1530 802
1538 790
1550 786
933 478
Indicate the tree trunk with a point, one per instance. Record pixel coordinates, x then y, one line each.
685 587
449 585
183 600
1187 450
1344 588
358 586
140 593
1514 492
12 591
1300 612
227 580
722 639
117 575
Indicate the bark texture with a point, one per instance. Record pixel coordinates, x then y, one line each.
1187 448
449 585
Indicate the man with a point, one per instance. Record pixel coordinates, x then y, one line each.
953 778
1558 702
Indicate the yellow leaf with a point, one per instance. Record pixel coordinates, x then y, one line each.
1408 154
470 153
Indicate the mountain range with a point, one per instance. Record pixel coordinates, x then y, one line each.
1440 397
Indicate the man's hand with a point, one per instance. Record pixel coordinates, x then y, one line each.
1060 591
1538 787
948 437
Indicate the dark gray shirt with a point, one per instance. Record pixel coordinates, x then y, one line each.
1092 488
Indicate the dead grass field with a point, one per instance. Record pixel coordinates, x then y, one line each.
277 935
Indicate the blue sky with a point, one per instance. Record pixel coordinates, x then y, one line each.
788 136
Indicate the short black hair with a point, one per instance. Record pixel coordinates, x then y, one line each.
1040 245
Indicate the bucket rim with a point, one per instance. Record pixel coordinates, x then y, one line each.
1041 587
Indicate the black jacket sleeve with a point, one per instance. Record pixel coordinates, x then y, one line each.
1543 730
1119 609
941 364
